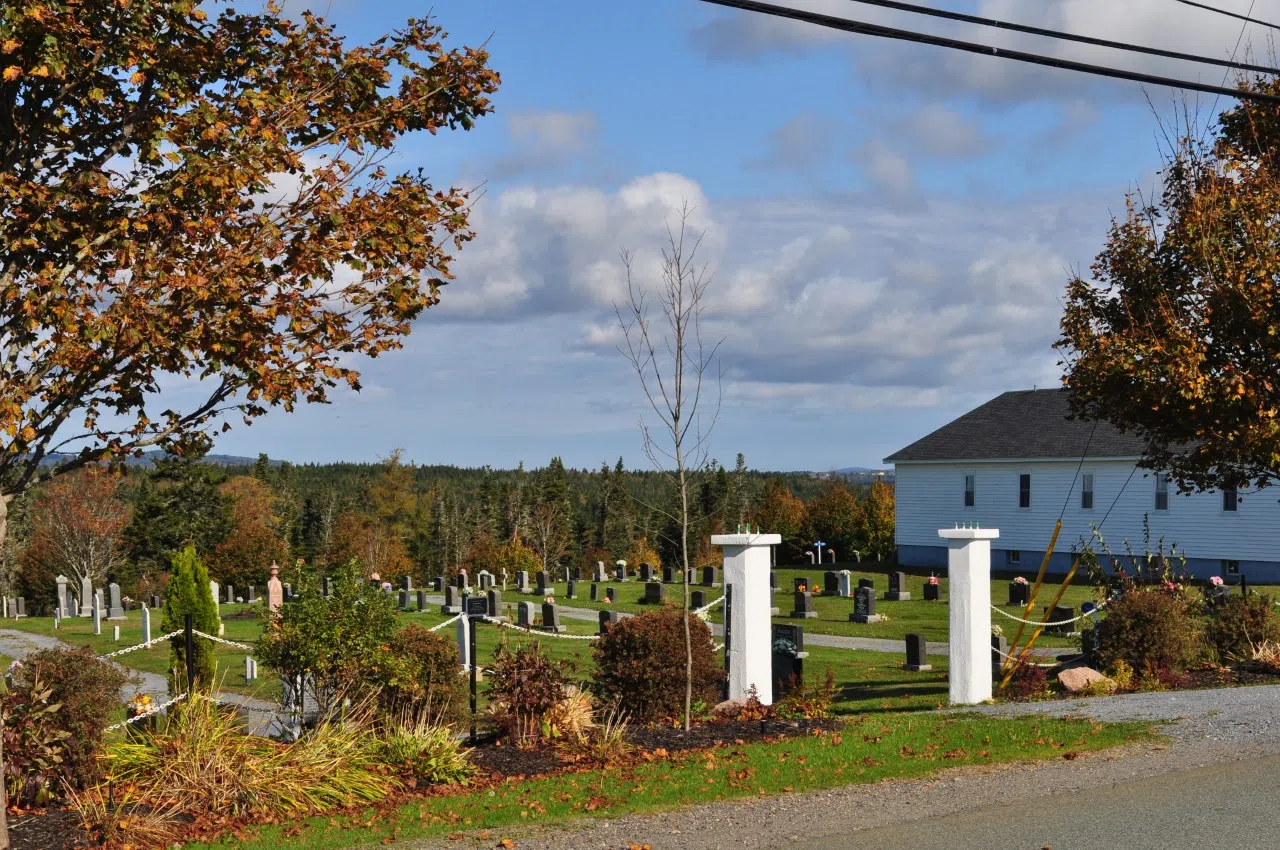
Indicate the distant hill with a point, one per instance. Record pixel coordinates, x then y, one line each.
857 470
148 460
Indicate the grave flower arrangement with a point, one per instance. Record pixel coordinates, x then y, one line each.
933 579
1216 581
1019 580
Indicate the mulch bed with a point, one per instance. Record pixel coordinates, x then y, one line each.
55 829
730 732
1219 677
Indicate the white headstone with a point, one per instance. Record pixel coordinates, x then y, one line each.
61 609
464 643
115 634
746 582
57 618
969 589
97 620
146 624
86 597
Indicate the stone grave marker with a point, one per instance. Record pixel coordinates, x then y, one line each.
864 606
485 579
595 592
571 591
156 602
522 582
1019 593
115 634
495 602
654 593
402 602
917 654
437 584
275 590
1091 646
551 618
1058 614
697 599
249 672
831 583
620 571
999 649
62 581
22 607
933 589
545 587
229 594
773 582
452 601
787 651
600 576
253 595
406 584
57 618
845 586
86 597
146 624
898 588
804 605
607 619
97 620
609 595
867 582
801 583
646 572
422 599
326 587
709 577
462 580
524 615
668 575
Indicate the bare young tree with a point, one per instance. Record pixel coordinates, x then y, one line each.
674 364
547 522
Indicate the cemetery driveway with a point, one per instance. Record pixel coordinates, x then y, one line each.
18 644
1210 783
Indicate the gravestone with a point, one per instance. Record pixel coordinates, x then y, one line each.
406 583
10 606
100 603
485 579
326 587
864 606
252 595
787 642
697 599
403 602
452 601
999 649
524 615
249 672
73 605
62 581
495 602
115 634
86 597
22 607
522 582
917 654
1091 647
773 581
620 571
146 625
646 572
655 593
845 586
551 618
437 584
57 618
1059 614
599 575
709 577
609 595
801 583
607 619
275 590
595 592
1019 593
867 582
229 594
215 590
831 583
804 605
97 620
545 587
933 590
571 591
462 580
422 599
288 593
898 588
668 575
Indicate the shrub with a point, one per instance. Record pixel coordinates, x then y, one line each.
1029 682
189 593
1239 623
88 689
34 744
1150 629
1122 674
640 663
524 687
425 751
422 675
813 703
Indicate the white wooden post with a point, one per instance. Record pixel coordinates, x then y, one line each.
464 644
969 594
746 580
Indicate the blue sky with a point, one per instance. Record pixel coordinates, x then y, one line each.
890 227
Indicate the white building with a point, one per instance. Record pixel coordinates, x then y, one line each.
1014 462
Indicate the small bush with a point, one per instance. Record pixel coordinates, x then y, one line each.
1150 629
422 677
1029 682
814 703
34 744
640 663
425 752
88 690
524 687
188 592
1239 623
572 718
1122 674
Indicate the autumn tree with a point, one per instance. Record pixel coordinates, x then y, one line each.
205 197
879 517
836 518
1176 338
375 545
781 512
254 542
180 502
77 523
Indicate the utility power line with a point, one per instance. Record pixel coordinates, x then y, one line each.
1235 15
862 28
1065 36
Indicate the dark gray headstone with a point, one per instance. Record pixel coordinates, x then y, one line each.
326 587
697 599
484 579
668 575
495 602
1019 593
422 599
461 579
403 603
898 587
654 593
709 577
999 649
551 618
607 619
22 607
831 583
252 597
867 582
804 605
545 587
864 606
571 591
801 583
155 602
917 654
522 582
609 595
230 592
452 601
595 593
406 583
600 576
773 580
932 591
524 615
437 584
1058 614
646 572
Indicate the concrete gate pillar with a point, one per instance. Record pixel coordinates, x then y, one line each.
746 583
969 592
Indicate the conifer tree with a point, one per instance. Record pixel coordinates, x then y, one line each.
189 593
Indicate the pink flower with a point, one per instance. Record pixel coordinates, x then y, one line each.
1216 581
933 579
550 600
1170 586
1019 580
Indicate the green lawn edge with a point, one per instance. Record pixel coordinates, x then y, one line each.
866 750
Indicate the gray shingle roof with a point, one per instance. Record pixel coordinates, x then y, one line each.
1022 424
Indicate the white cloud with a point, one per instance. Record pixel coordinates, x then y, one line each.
544 139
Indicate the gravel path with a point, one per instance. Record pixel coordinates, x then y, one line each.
1204 728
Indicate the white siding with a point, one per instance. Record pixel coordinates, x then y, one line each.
930 496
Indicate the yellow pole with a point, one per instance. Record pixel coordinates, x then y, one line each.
1040 628
1035 590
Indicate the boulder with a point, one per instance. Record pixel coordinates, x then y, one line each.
730 707
1077 679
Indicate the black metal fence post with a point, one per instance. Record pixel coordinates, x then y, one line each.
191 652
471 624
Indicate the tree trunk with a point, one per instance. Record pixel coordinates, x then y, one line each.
684 555
5 499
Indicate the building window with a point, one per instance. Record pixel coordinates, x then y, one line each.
1024 490
1086 491
1013 557
1231 568
1162 492
970 488
1230 498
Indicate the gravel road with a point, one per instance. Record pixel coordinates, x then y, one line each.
1205 728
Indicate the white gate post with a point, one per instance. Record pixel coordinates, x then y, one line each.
969 595
746 583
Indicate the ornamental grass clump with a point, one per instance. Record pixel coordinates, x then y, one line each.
424 751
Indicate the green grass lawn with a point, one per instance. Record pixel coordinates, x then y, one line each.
868 750
916 616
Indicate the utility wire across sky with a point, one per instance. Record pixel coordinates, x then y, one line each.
880 31
1235 15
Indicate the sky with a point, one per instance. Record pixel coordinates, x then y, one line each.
889 228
